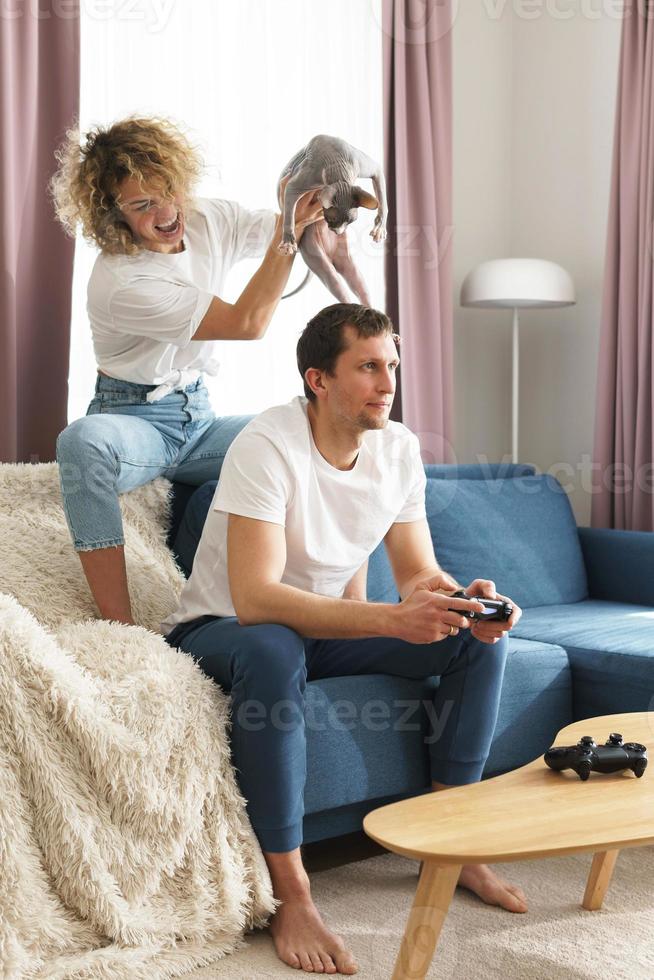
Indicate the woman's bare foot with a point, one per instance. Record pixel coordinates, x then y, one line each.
481 880
303 941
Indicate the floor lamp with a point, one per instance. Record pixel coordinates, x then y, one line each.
515 284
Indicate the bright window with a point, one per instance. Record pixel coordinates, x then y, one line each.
250 81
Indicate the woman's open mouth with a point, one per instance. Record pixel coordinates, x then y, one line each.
169 230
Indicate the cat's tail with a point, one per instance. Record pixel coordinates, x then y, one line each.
301 286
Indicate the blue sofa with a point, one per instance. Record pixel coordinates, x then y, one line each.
584 646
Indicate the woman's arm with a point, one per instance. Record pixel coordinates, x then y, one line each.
249 316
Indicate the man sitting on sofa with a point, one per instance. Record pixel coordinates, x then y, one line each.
277 597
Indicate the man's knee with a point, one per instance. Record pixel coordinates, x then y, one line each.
496 651
273 654
499 649
269 679
468 651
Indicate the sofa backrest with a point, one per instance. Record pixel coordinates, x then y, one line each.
182 493
478 471
514 527
519 532
188 521
381 584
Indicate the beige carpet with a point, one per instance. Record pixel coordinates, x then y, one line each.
556 940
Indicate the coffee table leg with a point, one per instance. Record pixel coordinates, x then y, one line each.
433 896
598 879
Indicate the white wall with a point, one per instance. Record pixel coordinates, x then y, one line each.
482 136
534 106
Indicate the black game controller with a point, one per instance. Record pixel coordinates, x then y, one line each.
496 609
586 757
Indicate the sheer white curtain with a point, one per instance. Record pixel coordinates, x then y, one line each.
250 81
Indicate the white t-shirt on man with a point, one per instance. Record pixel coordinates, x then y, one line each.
333 519
145 308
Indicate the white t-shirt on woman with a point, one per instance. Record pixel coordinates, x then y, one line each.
145 308
333 519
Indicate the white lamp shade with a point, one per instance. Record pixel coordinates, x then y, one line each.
506 283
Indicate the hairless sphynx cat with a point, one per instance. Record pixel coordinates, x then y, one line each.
330 166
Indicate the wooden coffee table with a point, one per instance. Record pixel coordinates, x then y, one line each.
531 812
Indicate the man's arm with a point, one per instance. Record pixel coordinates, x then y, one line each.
412 558
256 558
357 587
411 554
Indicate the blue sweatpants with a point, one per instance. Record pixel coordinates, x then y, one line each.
266 669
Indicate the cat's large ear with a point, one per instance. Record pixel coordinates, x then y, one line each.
362 199
326 195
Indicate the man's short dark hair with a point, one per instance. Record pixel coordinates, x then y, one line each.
323 340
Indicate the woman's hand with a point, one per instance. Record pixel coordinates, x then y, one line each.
307 210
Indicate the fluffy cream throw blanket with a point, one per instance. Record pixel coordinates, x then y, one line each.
125 849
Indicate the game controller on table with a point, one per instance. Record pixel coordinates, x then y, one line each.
586 756
496 609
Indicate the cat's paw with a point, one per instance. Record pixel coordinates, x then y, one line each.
288 245
378 233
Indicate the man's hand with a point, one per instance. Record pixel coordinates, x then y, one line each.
442 582
425 617
492 630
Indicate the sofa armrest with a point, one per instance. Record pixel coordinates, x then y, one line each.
619 564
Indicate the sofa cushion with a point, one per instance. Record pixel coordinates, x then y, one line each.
371 728
615 564
610 646
521 533
381 584
536 703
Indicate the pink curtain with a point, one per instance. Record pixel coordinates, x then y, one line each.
39 96
417 52
623 490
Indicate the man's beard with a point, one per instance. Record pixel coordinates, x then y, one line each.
368 422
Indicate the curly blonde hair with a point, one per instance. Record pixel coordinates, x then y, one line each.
85 185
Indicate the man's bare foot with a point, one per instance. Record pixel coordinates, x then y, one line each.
481 880
303 940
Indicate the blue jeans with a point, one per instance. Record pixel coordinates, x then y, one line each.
266 668
124 442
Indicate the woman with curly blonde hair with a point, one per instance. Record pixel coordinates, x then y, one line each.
154 308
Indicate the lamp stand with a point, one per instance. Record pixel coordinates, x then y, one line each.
515 386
